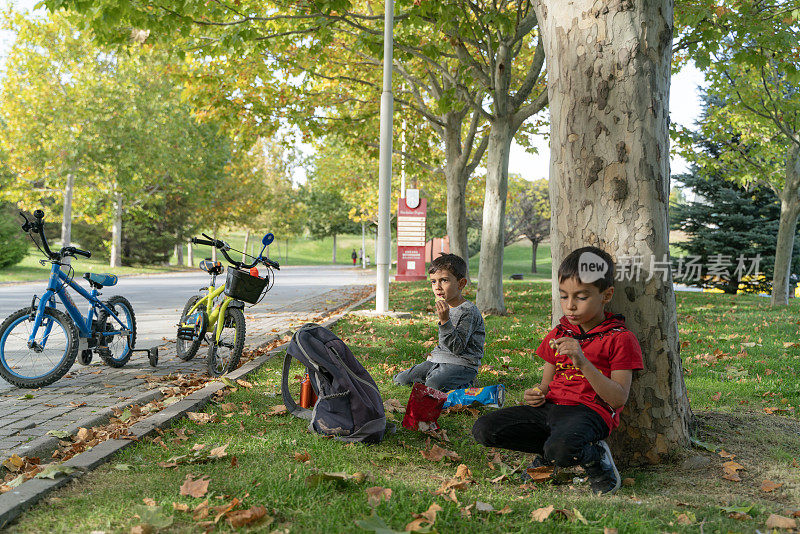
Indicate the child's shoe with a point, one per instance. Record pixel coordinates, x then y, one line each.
603 475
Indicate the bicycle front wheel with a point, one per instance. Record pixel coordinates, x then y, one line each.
223 355
116 349
48 359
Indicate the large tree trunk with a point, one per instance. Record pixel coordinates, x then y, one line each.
190 254
456 175
790 209
179 253
534 250
66 220
116 232
490 270
608 70
334 248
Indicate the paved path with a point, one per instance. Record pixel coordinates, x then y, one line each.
300 295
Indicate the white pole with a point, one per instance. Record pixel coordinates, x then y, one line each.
385 166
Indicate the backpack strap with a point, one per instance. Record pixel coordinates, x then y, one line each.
288 401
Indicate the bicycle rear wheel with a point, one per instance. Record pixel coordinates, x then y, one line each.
48 360
196 322
223 356
116 349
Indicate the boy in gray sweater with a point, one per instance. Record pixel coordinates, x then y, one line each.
455 361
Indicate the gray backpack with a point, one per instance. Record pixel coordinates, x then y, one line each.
349 406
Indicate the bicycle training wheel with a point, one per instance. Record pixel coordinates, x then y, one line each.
186 345
116 349
54 352
224 355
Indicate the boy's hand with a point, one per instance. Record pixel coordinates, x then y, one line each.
535 396
570 348
443 311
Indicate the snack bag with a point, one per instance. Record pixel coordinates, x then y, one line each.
423 408
493 396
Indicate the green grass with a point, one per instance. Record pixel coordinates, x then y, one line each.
666 498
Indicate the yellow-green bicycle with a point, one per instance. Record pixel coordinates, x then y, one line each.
218 319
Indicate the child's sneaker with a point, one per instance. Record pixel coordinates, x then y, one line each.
603 475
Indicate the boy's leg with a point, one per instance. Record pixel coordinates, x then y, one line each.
574 433
519 428
414 374
449 376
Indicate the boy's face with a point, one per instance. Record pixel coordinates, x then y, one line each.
583 304
447 287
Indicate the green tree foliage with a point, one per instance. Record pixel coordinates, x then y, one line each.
13 244
528 213
114 121
751 52
727 225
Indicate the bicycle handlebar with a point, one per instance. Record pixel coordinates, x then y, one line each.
72 251
224 248
37 227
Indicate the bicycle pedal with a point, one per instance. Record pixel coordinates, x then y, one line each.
187 333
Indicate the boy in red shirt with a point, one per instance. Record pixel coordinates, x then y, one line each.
589 361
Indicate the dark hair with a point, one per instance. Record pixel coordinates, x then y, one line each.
570 267
449 262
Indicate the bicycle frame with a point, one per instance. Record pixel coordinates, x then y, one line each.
57 287
213 313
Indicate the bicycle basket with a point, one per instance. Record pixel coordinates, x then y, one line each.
243 286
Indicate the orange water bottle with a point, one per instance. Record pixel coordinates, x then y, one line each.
307 396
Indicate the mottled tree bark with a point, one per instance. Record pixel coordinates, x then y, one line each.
534 250
790 210
608 66
66 220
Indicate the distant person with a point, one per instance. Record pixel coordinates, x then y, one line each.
366 259
455 361
354 256
589 361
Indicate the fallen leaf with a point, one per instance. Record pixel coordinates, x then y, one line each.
53 471
153 516
240 518
14 463
428 516
724 454
200 511
393 405
228 407
779 521
685 518
244 383
60 434
377 494
198 446
148 501
318 478
224 509
180 507
141 529
195 488
483 507
199 418
541 514
463 472
716 396
609 530
769 486
540 474
280 409
302 457
218 452
436 454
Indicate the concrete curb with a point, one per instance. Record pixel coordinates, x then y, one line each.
15 502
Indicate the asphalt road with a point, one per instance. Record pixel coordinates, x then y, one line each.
158 299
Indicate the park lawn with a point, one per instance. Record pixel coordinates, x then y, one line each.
739 357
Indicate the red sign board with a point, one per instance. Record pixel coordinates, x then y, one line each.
411 241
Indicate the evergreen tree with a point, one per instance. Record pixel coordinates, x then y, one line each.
724 223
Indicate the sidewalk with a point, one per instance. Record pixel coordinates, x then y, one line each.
85 395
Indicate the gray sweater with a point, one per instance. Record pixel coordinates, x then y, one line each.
461 338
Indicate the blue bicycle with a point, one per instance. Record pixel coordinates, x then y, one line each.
40 343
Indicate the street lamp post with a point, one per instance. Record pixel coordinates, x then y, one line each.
385 166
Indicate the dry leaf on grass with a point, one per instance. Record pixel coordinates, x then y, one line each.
463 472
201 418
195 488
218 452
280 409
393 405
240 518
779 521
180 507
541 514
426 517
377 494
141 529
148 501
437 453
609 530
200 511
769 486
302 457
228 407
540 474
220 511
730 471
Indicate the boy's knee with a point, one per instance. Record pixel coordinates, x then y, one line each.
402 378
562 453
482 433
437 381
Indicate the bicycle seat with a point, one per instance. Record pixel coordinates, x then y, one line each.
100 280
211 267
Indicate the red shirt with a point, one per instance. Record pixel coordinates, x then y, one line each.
609 346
